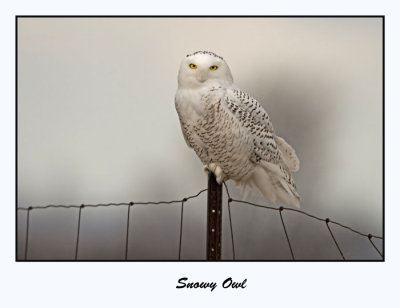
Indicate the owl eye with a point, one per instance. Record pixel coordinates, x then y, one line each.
213 67
192 66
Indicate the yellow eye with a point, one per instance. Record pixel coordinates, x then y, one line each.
192 66
213 68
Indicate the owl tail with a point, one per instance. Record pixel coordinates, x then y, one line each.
269 180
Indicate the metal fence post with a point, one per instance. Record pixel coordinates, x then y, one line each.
214 221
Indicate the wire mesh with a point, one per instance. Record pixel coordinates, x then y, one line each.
182 202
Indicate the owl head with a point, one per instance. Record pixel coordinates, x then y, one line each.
204 68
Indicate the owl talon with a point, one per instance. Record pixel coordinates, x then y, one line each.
219 174
212 167
209 168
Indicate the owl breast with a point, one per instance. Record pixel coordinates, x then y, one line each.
189 104
215 135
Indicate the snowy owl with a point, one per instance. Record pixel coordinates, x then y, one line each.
231 132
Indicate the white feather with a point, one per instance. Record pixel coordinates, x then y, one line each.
288 154
230 130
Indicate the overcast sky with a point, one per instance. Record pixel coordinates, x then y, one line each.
97 124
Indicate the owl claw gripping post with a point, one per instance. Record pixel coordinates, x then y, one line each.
231 132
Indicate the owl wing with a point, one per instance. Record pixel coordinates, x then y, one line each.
250 105
272 143
185 131
269 152
256 121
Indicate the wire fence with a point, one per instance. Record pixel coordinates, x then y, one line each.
327 222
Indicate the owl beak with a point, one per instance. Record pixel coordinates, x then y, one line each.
202 78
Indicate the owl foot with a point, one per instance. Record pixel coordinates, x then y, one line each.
219 174
209 168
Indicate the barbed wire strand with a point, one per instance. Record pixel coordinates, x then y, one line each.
230 200
78 231
370 239
355 231
307 214
27 233
230 220
370 236
80 207
327 220
284 228
127 230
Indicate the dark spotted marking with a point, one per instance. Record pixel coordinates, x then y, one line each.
205 53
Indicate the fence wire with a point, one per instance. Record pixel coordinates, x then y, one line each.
182 202
281 209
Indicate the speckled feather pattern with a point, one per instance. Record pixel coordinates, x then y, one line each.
227 127
236 134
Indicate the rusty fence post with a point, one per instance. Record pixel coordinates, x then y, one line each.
214 221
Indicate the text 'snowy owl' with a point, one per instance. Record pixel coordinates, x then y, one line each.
230 131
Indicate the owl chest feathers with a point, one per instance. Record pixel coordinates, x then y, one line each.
193 109
212 131
191 104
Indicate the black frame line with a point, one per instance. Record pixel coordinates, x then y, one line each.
182 201
200 16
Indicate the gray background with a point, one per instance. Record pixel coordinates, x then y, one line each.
97 124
